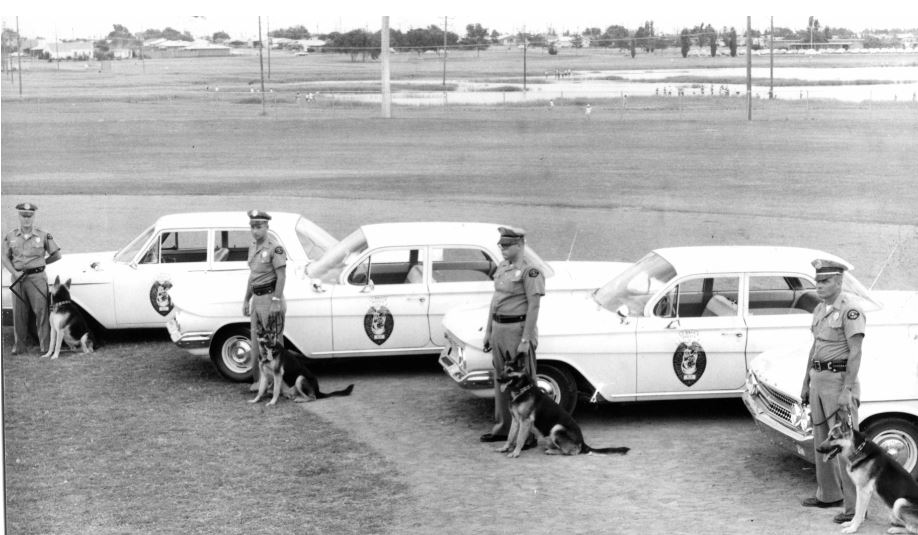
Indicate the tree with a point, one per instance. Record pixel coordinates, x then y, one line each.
151 33
731 41
645 35
476 37
616 36
577 41
685 40
120 32
713 42
633 50
174 35
293 32
495 36
219 37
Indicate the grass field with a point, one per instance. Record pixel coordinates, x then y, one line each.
141 438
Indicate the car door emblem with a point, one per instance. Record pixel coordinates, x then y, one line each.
160 298
378 324
689 362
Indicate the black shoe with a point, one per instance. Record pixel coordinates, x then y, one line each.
841 518
814 502
492 437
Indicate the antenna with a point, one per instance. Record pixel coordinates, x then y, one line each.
571 251
885 263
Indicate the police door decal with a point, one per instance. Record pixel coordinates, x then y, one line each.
378 324
689 362
160 298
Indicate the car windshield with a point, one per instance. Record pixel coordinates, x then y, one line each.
854 288
636 285
329 266
314 239
127 254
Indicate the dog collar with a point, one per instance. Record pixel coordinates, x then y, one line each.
521 392
58 305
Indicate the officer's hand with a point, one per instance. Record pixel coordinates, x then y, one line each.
845 399
275 307
487 344
805 395
523 348
245 308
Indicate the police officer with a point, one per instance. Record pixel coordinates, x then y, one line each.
26 252
511 335
264 292
831 387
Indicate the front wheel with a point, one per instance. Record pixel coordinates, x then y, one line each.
899 438
558 383
230 352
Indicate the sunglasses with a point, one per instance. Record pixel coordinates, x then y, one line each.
507 245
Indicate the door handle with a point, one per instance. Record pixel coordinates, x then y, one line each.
736 334
420 299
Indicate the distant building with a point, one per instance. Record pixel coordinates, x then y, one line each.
80 50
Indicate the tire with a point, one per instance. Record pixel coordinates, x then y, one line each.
230 353
899 438
558 383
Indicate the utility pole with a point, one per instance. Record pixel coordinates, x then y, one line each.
771 62
19 53
444 51
268 30
749 66
525 46
261 64
384 53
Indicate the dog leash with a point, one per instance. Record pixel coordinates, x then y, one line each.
829 417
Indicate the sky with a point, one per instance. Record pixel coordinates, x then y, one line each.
95 19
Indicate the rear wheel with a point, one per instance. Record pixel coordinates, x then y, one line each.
558 383
230 352
899 438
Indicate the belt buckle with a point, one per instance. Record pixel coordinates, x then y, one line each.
829 366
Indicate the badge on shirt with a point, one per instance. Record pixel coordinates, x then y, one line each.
517 274
533 272
835 317
37 240
278 250
853 314
264 254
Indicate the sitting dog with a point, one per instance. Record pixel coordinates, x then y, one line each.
67 322
287 370
533 411
872 469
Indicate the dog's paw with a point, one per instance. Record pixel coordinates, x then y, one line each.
271 403
850 528
46 355
53 357
254 400
513 454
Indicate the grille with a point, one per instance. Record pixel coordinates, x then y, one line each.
776 403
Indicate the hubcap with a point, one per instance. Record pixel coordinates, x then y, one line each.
236 354
900 446
550 387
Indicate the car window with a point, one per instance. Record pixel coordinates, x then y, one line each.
700 297
771 295
461 264
633 287
129 252
314 239
332 263
390 266
177 247
232 245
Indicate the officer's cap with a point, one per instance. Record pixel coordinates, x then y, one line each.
510 234
26 207
828 268
258 216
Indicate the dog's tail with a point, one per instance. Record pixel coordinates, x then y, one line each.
343 392
622 450
904 508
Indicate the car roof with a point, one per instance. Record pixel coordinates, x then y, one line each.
222 219
743 258
421 233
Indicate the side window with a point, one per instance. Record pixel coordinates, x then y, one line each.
178 247
461 264
777 294
394 266
693 298
231 245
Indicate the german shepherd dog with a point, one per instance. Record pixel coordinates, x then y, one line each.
288 372
533 411
67 322
873 470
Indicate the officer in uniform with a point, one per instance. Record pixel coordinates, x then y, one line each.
511 335
831 387
24 256
264 293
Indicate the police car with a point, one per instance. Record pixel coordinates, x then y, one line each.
680 323
130 288
382 290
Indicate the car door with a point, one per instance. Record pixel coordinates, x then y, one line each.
459 276
381 303
779 311
694 340
141 296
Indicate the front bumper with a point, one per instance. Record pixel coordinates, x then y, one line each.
194 343
479 383
781 434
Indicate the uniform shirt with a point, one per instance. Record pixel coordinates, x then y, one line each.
513 285
28 252
264 260
833 325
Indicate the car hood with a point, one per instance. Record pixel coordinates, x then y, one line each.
582 275
897 307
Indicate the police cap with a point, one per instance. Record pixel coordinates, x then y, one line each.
510 234
258 215
26 207
828 268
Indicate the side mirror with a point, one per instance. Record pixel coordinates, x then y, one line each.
368 288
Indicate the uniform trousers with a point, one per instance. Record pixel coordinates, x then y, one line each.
832 480
505 340
260 314
33 291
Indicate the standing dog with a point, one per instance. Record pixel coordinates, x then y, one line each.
872 469
67 323
287 370
535 412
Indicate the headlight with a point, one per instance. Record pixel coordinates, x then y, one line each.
800 417
752 384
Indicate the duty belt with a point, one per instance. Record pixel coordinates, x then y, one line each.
831 365
263 290
32 271
508 319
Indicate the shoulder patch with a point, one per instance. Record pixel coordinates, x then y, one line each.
534 272
853 314
278 250
48 236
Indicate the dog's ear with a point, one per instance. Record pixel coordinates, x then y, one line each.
67 284
57 280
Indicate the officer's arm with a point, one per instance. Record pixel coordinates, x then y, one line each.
281 281
854 360
7 263
54 257
533 302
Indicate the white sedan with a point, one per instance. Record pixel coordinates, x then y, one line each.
130 288
382 290
680 323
